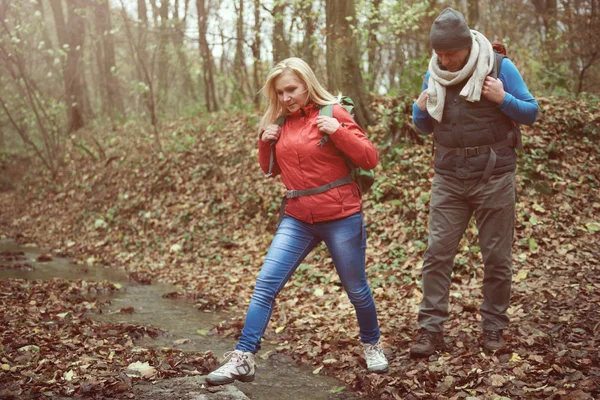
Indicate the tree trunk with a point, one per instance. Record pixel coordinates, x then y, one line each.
473 8
343 59
113 100
143 75
163 57
48 39
72 73
281 50
239 64
256 45
308 53
546 9
142 11
373 45
155 12
206 59
179 44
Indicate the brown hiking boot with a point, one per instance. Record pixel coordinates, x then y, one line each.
493 340
426 343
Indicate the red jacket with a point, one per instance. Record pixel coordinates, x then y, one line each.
304 165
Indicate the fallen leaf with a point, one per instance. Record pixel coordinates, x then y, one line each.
497 380
143 370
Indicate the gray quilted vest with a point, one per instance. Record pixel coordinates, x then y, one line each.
474 140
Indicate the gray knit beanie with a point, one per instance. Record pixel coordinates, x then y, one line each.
450 31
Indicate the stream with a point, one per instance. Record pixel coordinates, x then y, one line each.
278 377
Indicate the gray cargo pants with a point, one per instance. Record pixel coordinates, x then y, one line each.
453 201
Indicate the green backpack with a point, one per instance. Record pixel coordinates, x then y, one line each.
363 178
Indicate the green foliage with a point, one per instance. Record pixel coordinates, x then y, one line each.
405 17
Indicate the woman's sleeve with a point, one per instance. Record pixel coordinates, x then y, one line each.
351 140
264 156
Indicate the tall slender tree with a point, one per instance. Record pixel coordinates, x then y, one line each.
372 44
180 47
281 48
163 56
256 45
343 59
71 37
307 15
106 57
206 57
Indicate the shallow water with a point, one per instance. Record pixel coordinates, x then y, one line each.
278 377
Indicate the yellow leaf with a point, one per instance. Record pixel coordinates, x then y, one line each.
279 329
520 276
316 371
319 292
515 358
5 367
266 355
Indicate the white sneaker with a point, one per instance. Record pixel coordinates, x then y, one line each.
240 367
376 361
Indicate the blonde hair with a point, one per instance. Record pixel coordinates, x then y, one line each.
316 92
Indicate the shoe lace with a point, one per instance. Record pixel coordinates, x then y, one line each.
232 357
493 335
373 350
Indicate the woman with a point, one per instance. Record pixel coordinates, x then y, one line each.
332 215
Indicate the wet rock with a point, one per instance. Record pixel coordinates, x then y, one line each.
189 388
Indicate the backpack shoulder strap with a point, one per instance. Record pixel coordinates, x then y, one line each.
497 64
326 110
280 120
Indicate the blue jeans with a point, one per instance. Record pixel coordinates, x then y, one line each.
346 240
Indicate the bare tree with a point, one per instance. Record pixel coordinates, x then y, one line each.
106 57
144 75
255 47
239 63
28 102
179 44
163 56
206 57
70 36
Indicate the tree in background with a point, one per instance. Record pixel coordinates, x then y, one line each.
206 57
71 33
112 101
343 59
161 59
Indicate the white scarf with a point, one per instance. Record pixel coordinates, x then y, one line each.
478 66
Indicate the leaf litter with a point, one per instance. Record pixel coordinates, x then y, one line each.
201 217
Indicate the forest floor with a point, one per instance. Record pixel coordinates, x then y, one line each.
200 216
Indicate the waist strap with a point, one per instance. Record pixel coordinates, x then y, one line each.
479 150
290 194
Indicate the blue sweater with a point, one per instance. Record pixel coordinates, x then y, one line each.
518 104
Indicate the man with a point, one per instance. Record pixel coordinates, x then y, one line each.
473 118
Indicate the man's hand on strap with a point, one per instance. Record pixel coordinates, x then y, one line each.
493 90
